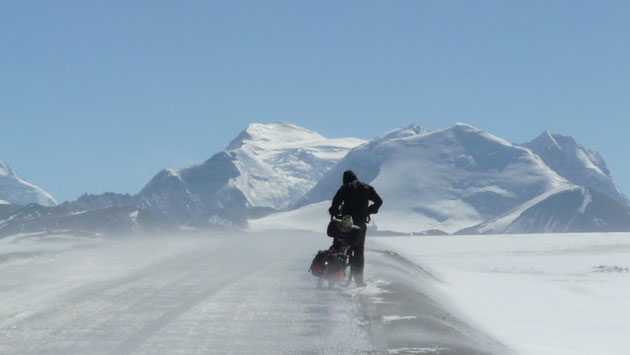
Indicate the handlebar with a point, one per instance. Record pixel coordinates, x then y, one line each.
369 218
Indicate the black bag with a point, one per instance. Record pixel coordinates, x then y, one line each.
326 261
333 230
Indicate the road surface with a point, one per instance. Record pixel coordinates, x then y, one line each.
215 294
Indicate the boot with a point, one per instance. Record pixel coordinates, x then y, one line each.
358 280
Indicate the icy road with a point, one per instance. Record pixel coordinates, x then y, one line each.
215 294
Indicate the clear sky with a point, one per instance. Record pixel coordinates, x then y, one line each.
99 96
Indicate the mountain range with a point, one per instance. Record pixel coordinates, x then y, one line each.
446 180
264 169
455 180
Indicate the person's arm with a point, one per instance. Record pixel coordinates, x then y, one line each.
336 202
374 197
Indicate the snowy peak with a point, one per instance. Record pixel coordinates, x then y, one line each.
547 140
193 193
5 170
413 129
476 138
579 165
14 189
279 162
273 135
569 148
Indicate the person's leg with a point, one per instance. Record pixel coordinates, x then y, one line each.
358 261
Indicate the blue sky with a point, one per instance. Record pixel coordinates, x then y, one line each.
98 96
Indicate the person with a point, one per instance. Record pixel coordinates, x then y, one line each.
353 199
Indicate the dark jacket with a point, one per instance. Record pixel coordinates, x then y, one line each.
354 197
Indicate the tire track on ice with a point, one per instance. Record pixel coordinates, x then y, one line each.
88 292
81 314
141 336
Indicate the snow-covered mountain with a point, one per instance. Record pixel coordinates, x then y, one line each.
445 180
278 163
499 224
576 210
580 165
455 180
565 209
14 189
265 168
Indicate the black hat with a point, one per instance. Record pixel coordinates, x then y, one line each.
349 176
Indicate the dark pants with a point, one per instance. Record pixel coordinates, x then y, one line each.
356 258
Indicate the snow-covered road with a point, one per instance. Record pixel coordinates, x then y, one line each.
221 294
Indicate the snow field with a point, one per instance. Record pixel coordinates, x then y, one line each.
539 294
